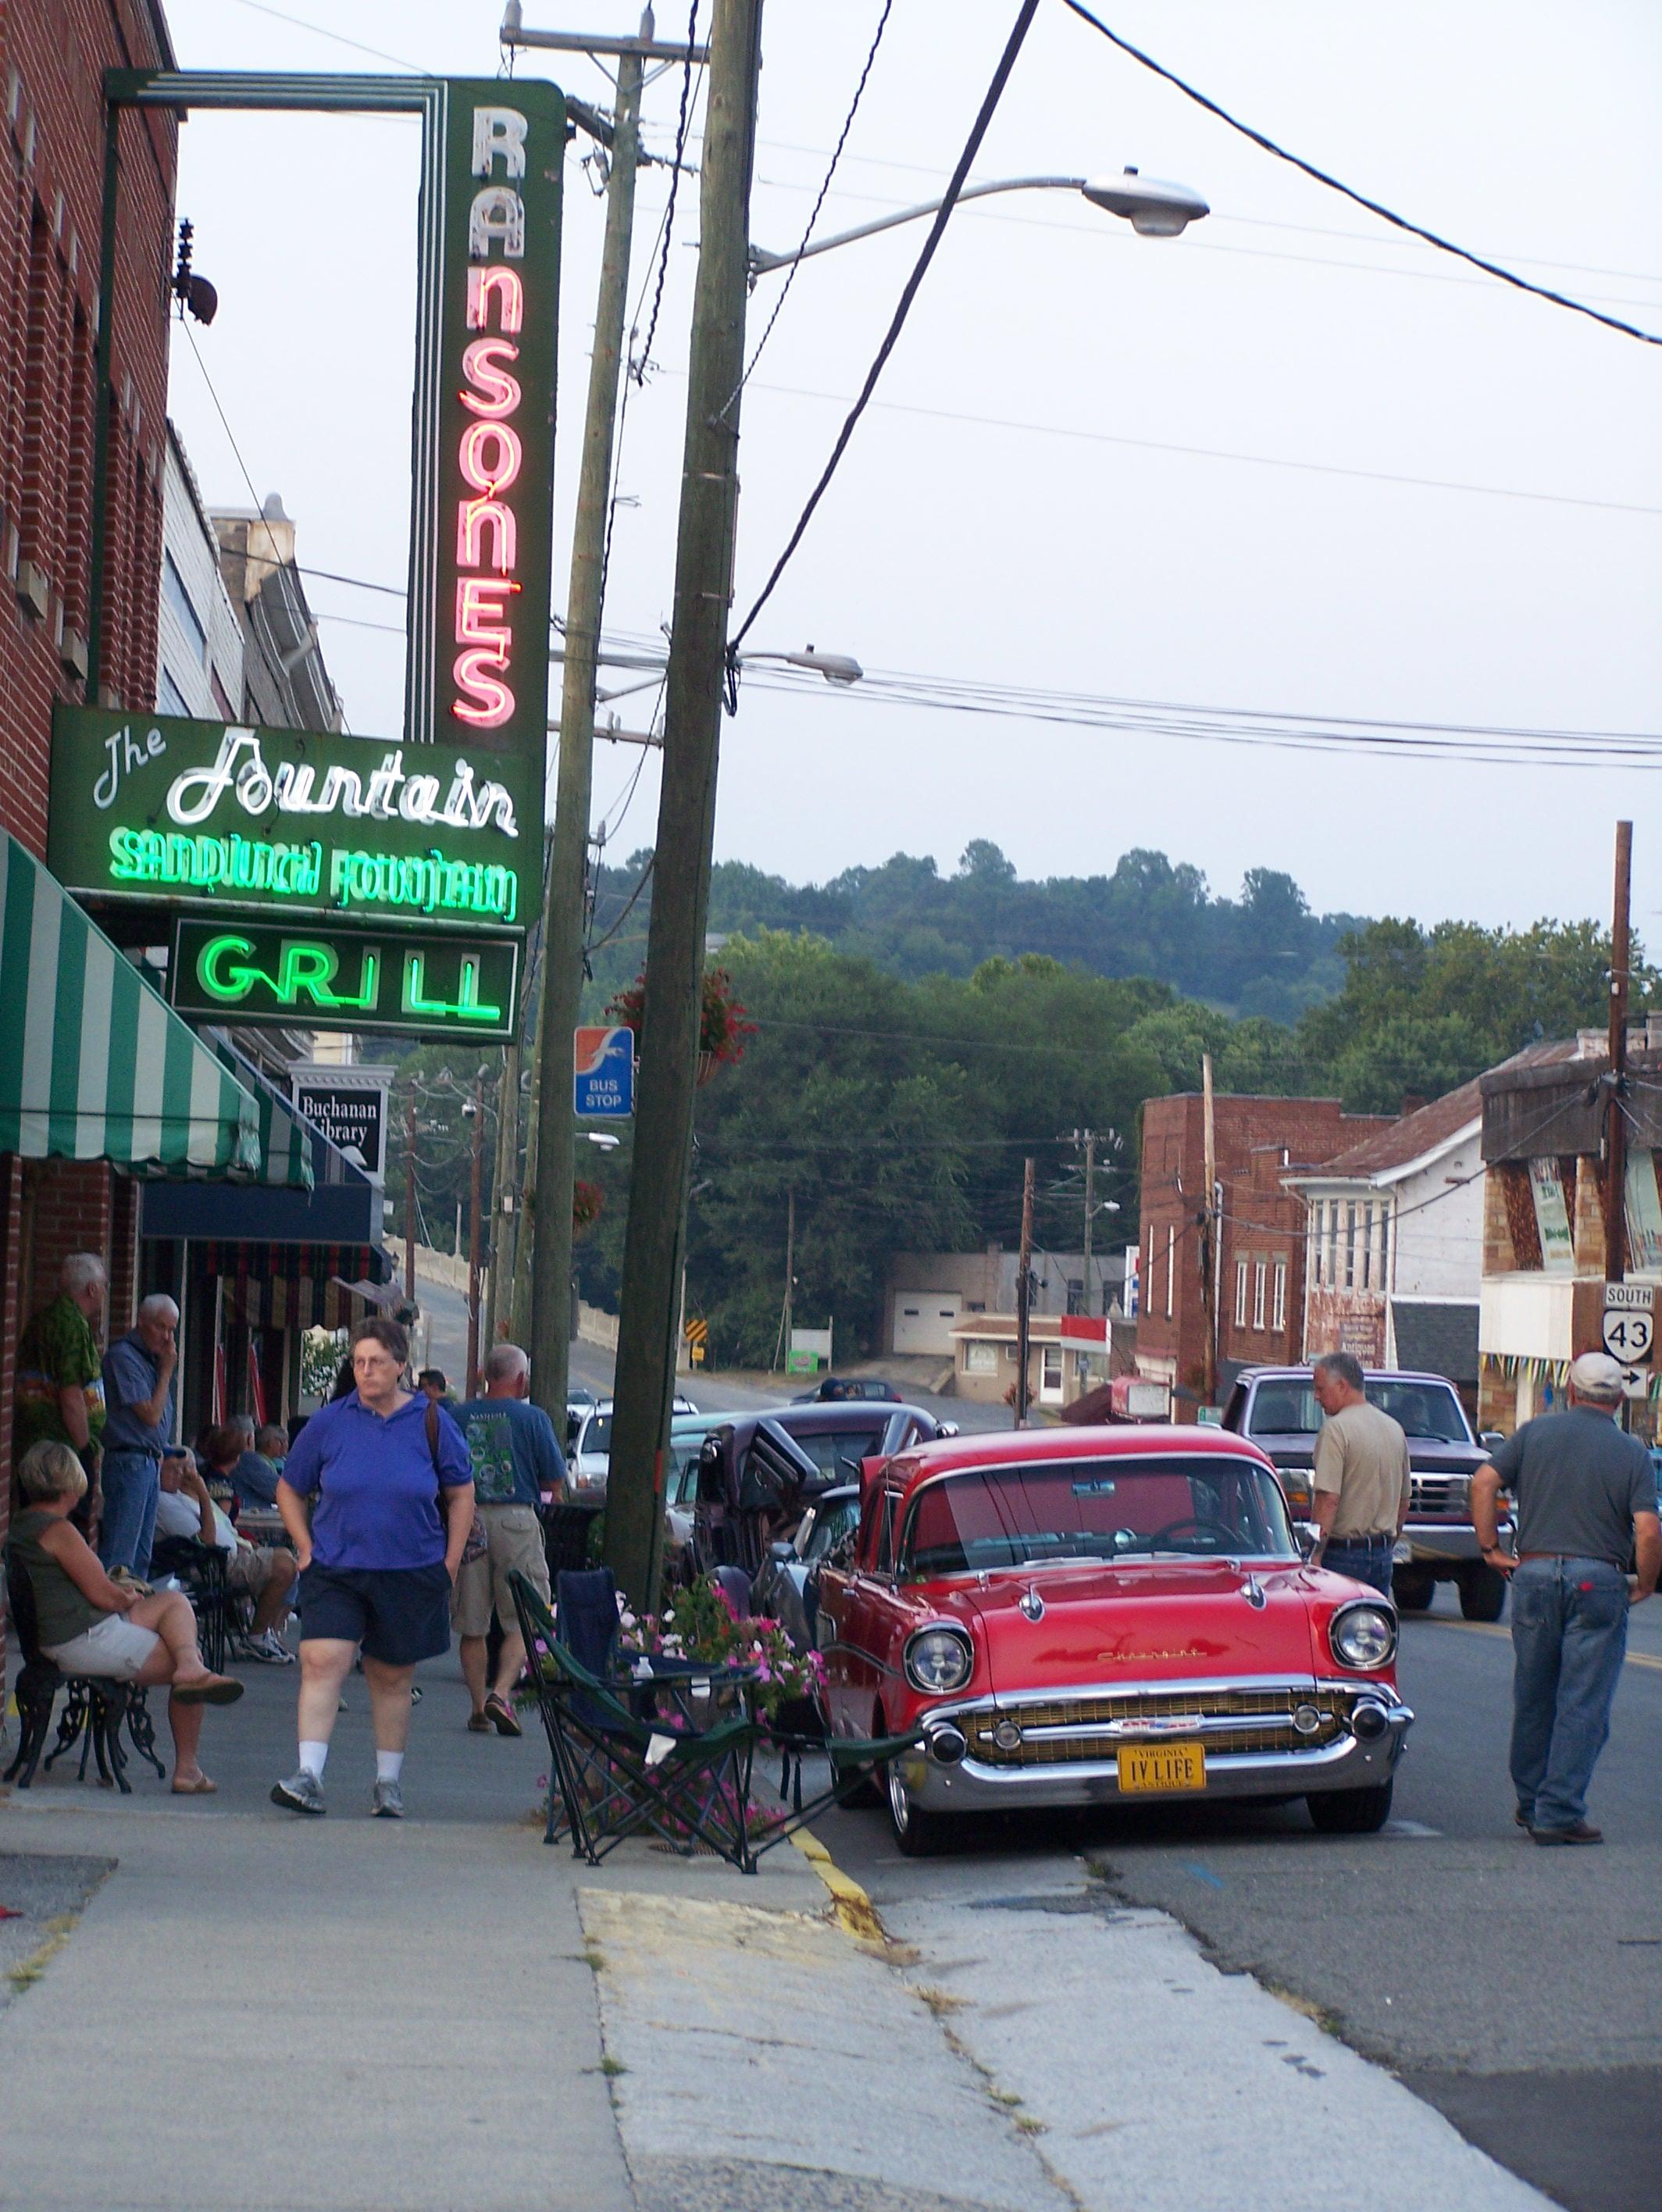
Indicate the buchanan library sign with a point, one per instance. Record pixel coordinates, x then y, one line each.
342 882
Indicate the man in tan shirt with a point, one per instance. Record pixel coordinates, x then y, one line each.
1360 1487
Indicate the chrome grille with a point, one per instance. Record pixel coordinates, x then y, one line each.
1439 1493
1061 1730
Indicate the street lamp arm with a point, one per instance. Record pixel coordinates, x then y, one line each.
762 261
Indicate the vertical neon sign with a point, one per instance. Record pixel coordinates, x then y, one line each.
505 145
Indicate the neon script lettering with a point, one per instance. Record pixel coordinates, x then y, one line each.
293 788
490 452
305 970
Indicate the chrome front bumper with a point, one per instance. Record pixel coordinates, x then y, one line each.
1439 1543
972 1784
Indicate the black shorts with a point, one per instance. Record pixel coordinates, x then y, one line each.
398 1614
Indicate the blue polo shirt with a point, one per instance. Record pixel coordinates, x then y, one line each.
372 1477
131 1372
515 1453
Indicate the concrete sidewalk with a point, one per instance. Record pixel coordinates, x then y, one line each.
256 2012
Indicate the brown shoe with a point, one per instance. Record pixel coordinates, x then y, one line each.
501 1716
208 1690
478 1725
1580 1833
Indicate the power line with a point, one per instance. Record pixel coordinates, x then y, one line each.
819 202
891 337
1218 452
638 368
1359 199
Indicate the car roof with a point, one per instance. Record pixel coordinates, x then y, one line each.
875 1413
1369 1375
1028 1447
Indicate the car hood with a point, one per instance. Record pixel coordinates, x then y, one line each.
1152 1621
1425 1454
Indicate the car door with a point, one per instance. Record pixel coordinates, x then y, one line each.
852 1632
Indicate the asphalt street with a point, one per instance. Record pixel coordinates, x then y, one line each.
1517 1989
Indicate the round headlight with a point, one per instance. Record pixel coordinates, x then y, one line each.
1362 1635
938 1660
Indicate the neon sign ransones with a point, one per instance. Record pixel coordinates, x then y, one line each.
490 453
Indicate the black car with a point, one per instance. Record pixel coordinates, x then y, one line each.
759 1472
837 1390
788 1589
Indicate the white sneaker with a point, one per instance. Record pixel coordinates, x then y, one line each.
269 1649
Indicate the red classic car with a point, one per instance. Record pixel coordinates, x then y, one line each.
1075 1617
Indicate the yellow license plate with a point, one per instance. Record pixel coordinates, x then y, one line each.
1162 1766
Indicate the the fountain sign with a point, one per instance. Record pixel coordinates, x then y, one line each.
164 811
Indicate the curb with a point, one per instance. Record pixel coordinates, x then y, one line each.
853 1911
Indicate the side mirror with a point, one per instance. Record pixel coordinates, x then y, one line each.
1490 1439
1309 1534
779 1550
946 1428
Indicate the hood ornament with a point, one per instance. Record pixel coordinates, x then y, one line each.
1254 1593
1030 1605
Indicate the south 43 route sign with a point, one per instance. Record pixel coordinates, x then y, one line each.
1630 1327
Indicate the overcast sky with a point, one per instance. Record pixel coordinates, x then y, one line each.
1057 540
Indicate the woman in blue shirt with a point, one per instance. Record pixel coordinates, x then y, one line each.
361 1496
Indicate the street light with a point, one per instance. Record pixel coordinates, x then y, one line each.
1153 208
840 668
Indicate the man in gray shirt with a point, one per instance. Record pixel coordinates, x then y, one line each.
1587 1497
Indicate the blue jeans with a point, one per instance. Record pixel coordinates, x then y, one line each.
1365 1562
1569 1635
131 1482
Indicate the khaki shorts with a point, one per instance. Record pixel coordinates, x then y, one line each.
513 1538
250 1571
114 1649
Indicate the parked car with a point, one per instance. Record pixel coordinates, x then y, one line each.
837 1389
754 1482
1084 1616
589 1458
1277 1407
580 1404
837 1437
787 1588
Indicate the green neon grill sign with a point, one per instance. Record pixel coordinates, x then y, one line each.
423 983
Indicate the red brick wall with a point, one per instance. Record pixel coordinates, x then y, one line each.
69 1210
51 172
1261 1221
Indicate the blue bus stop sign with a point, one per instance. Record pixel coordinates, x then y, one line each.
604 1073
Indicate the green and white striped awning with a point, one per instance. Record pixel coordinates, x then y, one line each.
94 1064
286 1136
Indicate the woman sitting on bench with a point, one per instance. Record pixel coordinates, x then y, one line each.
87 1625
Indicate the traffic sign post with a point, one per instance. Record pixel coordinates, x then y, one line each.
603 1073
1629 1331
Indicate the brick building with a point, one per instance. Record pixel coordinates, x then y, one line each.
93 1067
1260 1267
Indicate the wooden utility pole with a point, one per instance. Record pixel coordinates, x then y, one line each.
564 908
1024 1298
1090 1207
410 1196
790 1269
468 1390
504 1197
685 817
1210 1227
1615 1130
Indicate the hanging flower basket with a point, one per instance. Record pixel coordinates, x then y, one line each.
722 1027
587 1200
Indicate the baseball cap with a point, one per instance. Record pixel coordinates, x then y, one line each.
1597 1374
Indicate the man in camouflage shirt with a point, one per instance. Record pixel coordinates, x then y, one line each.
60 1385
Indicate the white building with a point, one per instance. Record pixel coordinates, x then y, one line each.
198 638
1394 1243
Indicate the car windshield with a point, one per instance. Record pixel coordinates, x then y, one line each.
1112 1509
826 1525
1427 1410
834 1451
597 1435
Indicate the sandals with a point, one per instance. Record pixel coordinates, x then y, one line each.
208 1690
478 1725
202 1787
501 1716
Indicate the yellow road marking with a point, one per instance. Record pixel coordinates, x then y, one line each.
1493 1628
854 1910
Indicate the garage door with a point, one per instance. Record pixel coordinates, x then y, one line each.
923 1320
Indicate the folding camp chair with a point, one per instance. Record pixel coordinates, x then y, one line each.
664 1749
